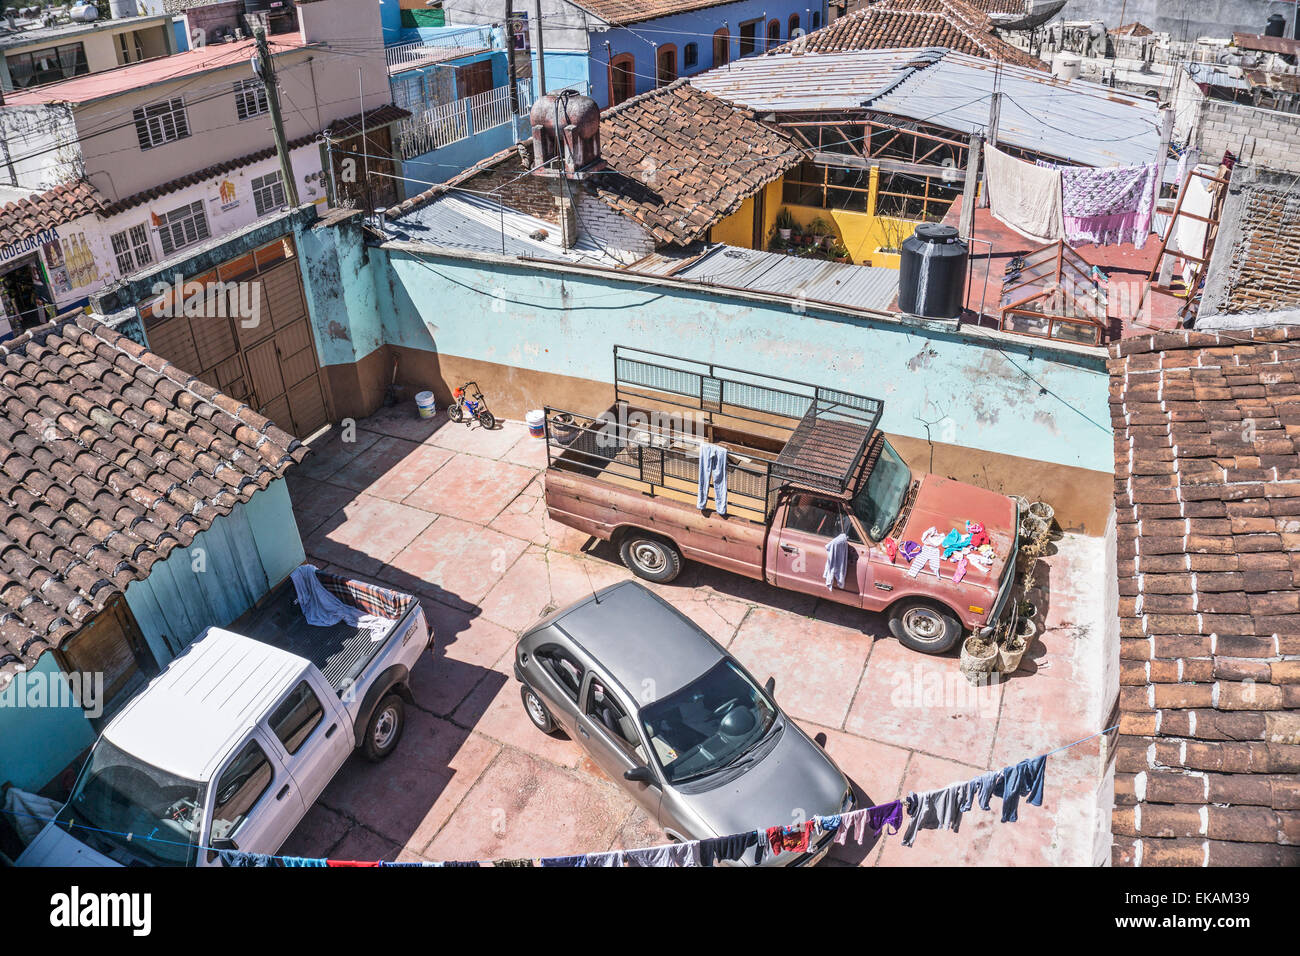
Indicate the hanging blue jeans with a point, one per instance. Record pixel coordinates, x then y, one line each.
713 470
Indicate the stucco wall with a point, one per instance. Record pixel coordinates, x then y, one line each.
1187 19
1005 414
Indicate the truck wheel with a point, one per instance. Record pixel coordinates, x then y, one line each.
536 710
384 728
653 559
924 626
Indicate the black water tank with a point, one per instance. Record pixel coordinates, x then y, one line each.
1276 26
932 274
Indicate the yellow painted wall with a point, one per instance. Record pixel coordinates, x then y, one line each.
861 233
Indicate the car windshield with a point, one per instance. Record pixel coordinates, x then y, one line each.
881 499
709 724
118 795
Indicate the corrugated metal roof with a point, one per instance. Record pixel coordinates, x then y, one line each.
1073 120
812 81
859 287
477 224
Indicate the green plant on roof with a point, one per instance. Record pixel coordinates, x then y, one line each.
785 219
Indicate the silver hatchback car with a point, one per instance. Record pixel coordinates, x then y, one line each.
667 712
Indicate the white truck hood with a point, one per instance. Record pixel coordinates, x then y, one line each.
54 846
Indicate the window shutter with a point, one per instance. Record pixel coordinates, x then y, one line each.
142 128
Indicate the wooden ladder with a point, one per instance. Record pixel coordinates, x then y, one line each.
1192 280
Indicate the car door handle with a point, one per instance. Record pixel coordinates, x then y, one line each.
583 732
284 792
330 733
788 549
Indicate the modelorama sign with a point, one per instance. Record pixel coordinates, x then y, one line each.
28 244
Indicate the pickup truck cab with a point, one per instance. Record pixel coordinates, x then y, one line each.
804 464
233 742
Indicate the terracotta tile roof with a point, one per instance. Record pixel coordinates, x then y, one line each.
687 160
1207 498
1264 270
48 210
891 24
339 129
1134 29
110 457
635 11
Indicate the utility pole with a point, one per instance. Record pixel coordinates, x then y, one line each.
510 58
541 50
266 73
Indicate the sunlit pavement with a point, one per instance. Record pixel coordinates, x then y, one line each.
454 514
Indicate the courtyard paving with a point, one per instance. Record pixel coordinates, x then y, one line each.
455 515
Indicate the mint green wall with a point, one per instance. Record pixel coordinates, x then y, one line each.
244 554
226 570
36 743
1003 395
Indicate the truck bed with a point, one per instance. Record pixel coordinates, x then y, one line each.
340 652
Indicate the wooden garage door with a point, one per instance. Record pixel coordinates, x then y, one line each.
111 644
270 363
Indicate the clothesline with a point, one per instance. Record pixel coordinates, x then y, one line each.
792 838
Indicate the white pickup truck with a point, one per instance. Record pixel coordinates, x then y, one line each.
233 742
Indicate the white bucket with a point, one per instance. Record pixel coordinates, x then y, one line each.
424 402
536 421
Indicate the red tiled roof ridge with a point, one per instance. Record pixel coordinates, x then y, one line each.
110 458
46 210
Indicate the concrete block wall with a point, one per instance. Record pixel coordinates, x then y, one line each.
1263 137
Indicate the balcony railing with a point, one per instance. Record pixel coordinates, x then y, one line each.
449 123
462 38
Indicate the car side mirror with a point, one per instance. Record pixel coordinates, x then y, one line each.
639 775
770 686
225 844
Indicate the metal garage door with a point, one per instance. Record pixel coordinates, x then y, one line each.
256 345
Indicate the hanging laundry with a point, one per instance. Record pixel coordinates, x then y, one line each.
931 548
1108 206
792 839
891 549
837 559
1187 235
1025 779
933 810
301 861
674 854
238 858
713 471
983 788
370 863
613 858
886 816
1024 196
726 848
909 550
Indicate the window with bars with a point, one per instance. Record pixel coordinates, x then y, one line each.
250 99
161 123
268 193
132 249
183 227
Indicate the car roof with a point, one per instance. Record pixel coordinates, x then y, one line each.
642 641
208 698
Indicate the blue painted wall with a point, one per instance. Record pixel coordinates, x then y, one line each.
680 29
221 575
37 743
178 31
390 18
244 554
565 69
1002 397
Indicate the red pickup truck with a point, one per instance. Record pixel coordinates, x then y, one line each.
803 464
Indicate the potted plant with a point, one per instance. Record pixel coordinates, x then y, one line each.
785 224
776 243
839 253
979 658
821 231
1012 650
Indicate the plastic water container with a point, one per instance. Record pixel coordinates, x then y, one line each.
536 421
424 402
